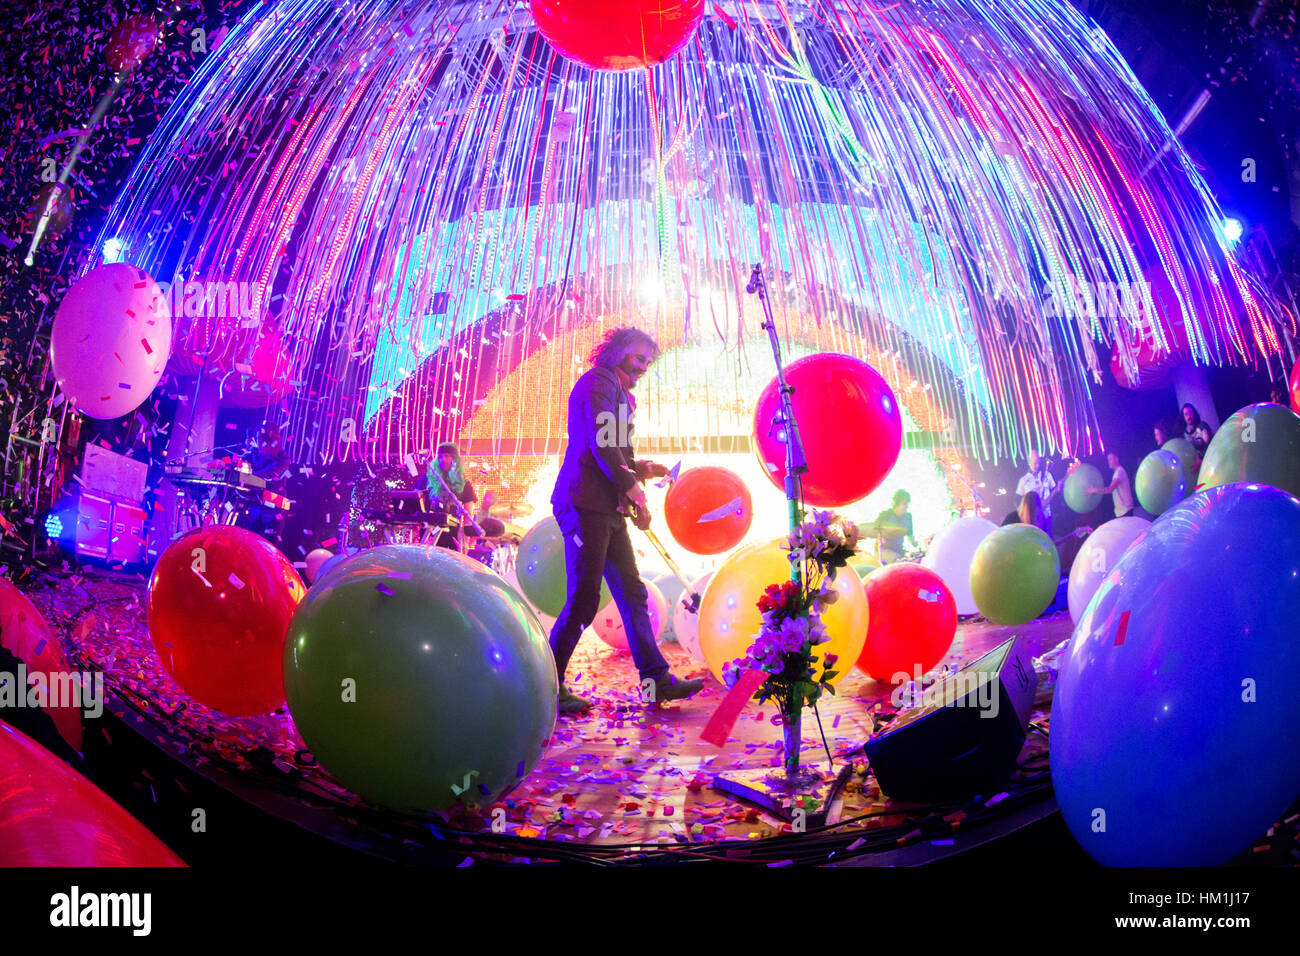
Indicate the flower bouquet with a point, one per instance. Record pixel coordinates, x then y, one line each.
792 626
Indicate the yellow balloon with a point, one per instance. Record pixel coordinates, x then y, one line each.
729 617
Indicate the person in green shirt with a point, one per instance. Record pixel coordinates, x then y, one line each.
893 527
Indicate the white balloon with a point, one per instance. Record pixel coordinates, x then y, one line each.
1099 553
609 627
672 589
686 623
111 340
313 561
950 557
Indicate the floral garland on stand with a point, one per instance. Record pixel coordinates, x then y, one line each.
792 626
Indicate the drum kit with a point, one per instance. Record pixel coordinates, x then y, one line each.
415 517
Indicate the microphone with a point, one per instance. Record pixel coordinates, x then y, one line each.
755 278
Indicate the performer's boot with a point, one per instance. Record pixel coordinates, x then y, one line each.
571 703
679 688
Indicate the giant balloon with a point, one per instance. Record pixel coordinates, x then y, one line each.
130 42
686 623
913 621
950 557
1260 443
50 815
1077 483
1159 693
219 603
1295 387
1014 574
672 589
708 510
1160 482
730 619
1187 454
1100 552
849 421
609 626
420 678
314 561
25 634
618 34
539 567
110 341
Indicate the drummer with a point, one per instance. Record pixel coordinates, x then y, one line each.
893 527
445 477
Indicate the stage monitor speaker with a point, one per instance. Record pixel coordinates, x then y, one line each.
109 529
116 476
964 734
94 522
127 542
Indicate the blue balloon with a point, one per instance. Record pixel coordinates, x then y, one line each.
1176 720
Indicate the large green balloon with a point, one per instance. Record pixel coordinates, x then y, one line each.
1187 455
1161 482
413 670
1015 574
1077 484
540 568
1259 444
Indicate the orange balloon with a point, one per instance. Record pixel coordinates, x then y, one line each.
220 600
25 635
730 619
709 510
50 815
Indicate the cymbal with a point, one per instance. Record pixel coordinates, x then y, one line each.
523 509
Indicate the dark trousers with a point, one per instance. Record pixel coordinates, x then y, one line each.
597 545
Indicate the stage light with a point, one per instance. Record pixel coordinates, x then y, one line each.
53 526
112 250
652 288
1232 229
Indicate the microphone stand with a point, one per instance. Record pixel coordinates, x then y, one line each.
776 790
796 463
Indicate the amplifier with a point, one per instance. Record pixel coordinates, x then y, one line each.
109 529
965 733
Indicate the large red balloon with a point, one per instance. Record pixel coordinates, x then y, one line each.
25 635
220 600
1155 363
130 42
50 815
850 423
709 510
618 34
913 619
1295 387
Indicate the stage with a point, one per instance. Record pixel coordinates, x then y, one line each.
627 781
623 773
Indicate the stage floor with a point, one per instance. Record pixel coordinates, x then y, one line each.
621 773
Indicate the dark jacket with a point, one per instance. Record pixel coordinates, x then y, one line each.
595 474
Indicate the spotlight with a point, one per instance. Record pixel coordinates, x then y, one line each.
53 526
652 288
1232 229
112 250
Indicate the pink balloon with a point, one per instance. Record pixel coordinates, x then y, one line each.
111 339
608 624
849 421
314 560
